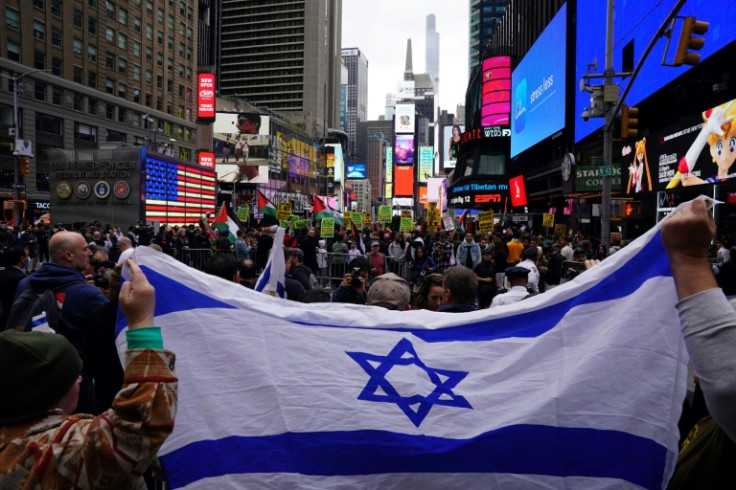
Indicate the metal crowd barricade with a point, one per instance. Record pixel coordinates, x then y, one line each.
397 266
193 257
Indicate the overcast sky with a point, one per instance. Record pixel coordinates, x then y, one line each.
380 28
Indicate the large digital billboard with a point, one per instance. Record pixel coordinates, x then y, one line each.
404 118
495 104
404 181
591 45
426 163
404 149
682 155
355 170
451 134
538 107
206 96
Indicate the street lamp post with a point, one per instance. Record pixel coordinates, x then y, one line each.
16 135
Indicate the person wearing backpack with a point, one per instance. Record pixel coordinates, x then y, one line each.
75 298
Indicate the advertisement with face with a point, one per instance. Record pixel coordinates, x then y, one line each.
404 149
404 118
701 151
451 135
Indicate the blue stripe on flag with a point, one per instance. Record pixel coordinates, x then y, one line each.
173 296
518 449
263 280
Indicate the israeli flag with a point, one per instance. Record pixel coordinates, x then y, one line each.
577 388
273 279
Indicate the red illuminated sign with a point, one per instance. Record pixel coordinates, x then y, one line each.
404 180
206 96
496 95
206 159
517 191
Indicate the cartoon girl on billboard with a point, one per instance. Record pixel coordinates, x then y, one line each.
638 167
720 134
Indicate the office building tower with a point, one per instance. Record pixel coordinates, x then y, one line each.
485 16
357 102
284 56
433 51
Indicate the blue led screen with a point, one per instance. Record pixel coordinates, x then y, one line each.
538 88
638 21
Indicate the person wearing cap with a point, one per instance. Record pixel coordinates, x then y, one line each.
461 287
377 259
390 291
43 446
517 278
531 256
297 270
486 275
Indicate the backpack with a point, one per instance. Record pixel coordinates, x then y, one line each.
37 309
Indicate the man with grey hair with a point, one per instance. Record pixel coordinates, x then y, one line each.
461 286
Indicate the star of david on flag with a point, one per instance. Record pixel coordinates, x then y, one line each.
379 388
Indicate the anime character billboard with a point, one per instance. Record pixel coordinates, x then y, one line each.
718 132
639 177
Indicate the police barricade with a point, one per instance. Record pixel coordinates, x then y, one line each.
397 266
193 257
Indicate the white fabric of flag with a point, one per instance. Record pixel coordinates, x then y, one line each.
577 388
273 278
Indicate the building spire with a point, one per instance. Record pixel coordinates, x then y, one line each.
408 69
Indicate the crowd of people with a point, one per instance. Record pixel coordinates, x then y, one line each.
50 377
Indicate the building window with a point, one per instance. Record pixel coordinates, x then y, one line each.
39 30
137 49
189 32
39 4
56 66
182 28
77 46
149 77
160 59
137 73
149 32
122 65
170 64
182 8
110 35
159 82
160 16
56 38
182 49
56 8
122 90
159 104
110 86
83 132
110 9
12 17
78 74
149 8
92 107
122 41
39 60
170 86
123 16
170 43
116 136
92 25
78 102
137 24
148 100
160 38
92 53
92 79
110 111
78 19
149 55
56 95
92 3
39 90
13 51
181 90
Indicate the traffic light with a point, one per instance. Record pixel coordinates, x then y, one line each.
629 122
25 166
687 42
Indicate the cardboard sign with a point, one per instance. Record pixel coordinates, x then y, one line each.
407 225
367 219
327 228
560 229
384 213
346 219
283 211
448 224
548 220
406 213
244 213
485 221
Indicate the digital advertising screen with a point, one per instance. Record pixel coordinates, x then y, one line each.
662 160
404 118
495 105
389 164
538 88
355 170
591 45
452 137
404 181
517 191
426 163
404 149
206 96
338 161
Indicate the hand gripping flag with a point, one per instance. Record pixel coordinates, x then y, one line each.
580 387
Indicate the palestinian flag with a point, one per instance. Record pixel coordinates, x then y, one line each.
358 238
461 222
225 222
265 206
322 210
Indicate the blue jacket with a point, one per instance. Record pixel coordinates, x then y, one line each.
462 253
80 299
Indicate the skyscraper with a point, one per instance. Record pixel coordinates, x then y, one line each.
357 101
433 51
485 15
284 56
